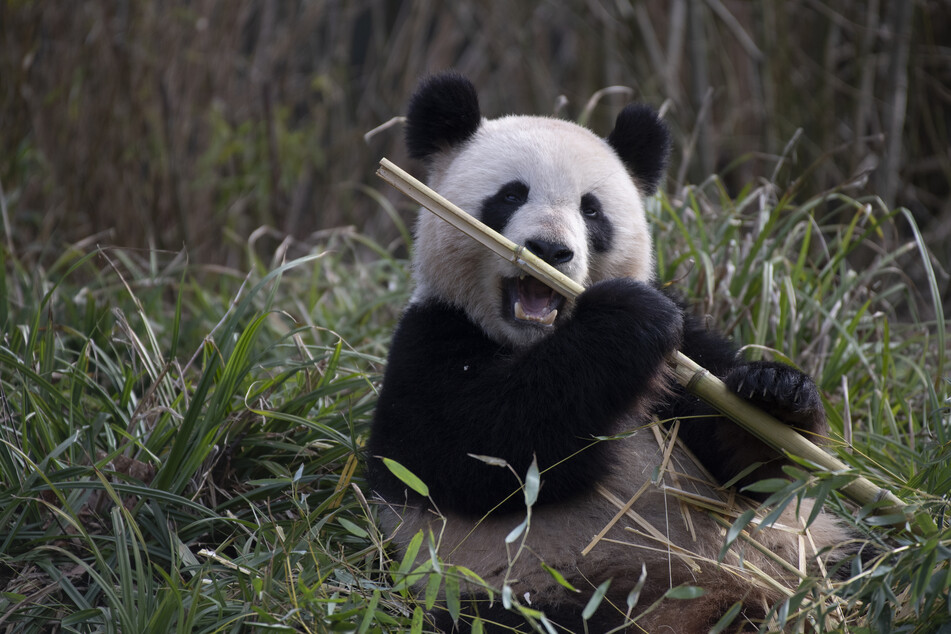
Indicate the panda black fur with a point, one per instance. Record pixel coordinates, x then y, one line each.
487 362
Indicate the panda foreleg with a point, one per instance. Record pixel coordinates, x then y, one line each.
787 394
451 393
551 399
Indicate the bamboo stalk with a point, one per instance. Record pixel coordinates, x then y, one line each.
688 373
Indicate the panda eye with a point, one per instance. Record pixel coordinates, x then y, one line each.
590 206
499 207
514 193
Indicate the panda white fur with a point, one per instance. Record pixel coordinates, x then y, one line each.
486 362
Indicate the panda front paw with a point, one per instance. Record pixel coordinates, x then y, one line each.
633 312
783 391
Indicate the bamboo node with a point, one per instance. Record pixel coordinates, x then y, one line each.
696 378
518 254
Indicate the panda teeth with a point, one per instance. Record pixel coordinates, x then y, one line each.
547 320
520 312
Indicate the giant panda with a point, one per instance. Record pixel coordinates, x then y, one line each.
486 362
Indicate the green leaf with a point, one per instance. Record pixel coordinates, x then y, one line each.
926 524
769 485
685 592
893 519
352 528
417 625
517 531
796 473
412 549
453 603
595 600
728 617
742 474
735 530
821 492
559 578
369 612
635 594
778 510
489 460
407 477
477 580
432 590
82 616
532 483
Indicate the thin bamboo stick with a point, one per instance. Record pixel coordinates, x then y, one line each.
688 373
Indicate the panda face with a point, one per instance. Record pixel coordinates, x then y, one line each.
548 184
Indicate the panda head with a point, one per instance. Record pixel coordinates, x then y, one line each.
569 196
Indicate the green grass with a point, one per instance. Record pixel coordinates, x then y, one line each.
179 445
825 283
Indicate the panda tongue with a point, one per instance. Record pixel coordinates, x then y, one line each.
534 297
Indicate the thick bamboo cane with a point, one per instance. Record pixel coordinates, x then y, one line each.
688 373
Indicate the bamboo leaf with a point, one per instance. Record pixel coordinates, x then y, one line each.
432 590
532 483
409 558
769 485
352 528
517 531
559 578
406 477
416 627
685 593
728 617
453 603
591 607
635 594
735 530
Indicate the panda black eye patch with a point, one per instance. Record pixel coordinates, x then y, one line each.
600 232
499 207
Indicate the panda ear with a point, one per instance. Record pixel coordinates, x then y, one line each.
642 141
443 112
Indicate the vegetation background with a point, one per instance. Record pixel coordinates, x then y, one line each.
162 124
200 274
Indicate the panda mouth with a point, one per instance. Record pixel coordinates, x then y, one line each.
532 301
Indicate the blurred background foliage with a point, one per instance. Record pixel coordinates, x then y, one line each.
171 124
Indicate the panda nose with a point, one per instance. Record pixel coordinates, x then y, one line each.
551 252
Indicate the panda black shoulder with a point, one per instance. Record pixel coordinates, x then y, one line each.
443 112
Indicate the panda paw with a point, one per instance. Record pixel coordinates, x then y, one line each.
632 311
783 391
